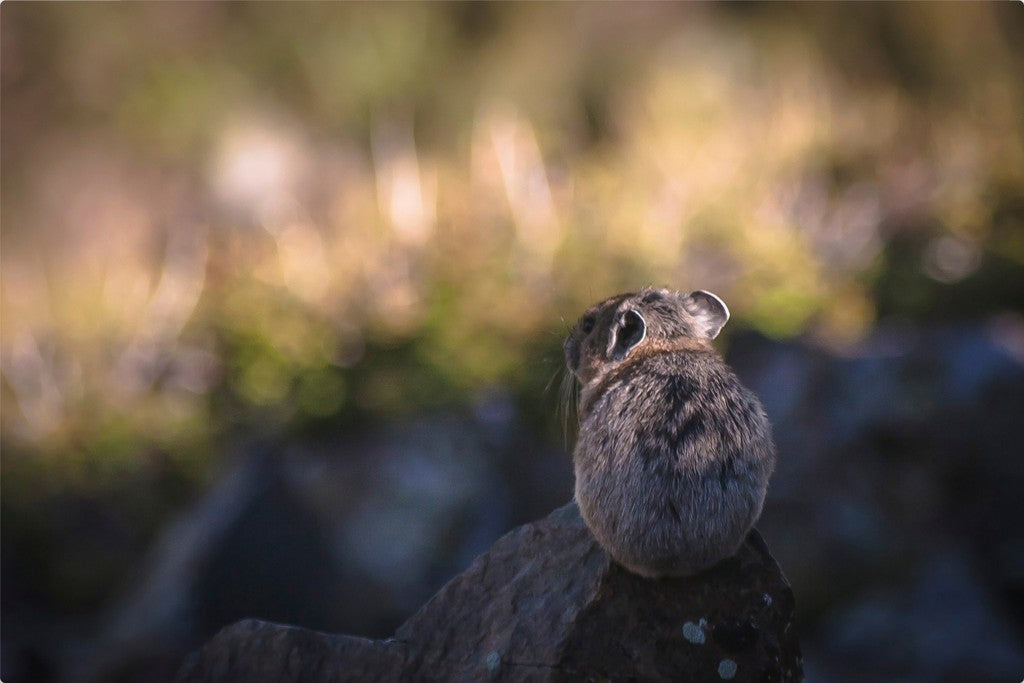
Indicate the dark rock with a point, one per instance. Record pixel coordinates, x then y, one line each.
254 650
545 603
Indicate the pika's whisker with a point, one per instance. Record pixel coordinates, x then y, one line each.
551 382
568 398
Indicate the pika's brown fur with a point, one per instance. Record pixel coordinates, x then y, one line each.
674 454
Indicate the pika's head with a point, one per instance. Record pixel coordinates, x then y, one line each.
617 329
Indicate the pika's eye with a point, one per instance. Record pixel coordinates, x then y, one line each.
587 324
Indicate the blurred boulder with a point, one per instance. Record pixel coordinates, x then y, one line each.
892 453
969 637
546 604
249 547
352 534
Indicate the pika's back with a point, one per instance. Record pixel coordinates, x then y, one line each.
674 454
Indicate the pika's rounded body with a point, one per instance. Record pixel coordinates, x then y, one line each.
673 455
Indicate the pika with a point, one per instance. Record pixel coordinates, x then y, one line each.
673 455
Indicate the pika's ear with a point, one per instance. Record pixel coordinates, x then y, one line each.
628 330
708 311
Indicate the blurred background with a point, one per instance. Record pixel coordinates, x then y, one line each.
284 288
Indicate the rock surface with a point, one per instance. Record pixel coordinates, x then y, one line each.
545 603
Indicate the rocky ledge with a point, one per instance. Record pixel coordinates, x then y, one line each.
545 603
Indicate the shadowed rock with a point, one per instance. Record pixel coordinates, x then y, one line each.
545 603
